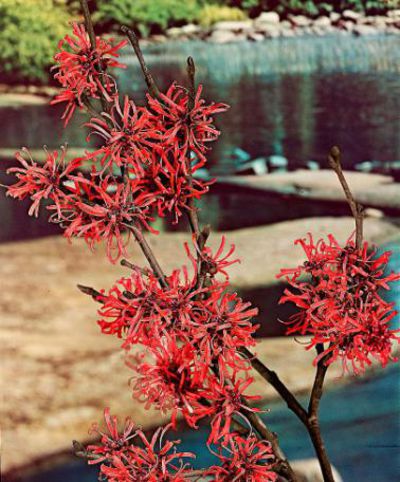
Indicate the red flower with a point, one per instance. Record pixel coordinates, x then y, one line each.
104 211
172 382
183 129
41 182
212 263
340 302
82 70
114 443
129 137
154 460
225 400
244 460
220 326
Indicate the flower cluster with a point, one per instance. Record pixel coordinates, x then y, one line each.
185 330
145 165
340 302
130 456
82 70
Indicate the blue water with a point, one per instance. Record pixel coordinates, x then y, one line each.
360 424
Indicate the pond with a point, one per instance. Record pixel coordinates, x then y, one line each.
366 411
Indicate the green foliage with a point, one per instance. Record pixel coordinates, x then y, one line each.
147 16
29 33
211 14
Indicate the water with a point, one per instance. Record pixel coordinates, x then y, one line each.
294 97
360 424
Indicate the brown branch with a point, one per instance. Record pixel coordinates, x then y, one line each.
88 23
147 251
272 378
313 426
151 84
128 264
334 159
87 290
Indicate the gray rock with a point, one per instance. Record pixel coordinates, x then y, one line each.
255 36
300 20
394 13
334 17
222 36
191 29
322 22
365 30
267 18
174 32
351 15
238 26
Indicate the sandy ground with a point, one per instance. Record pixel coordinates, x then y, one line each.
58 371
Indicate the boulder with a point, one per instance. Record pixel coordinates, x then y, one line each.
191 29
351 15
362 30
267 18
174 32
234 26
334 17
222 36
300 20
394 13
322 22
255 36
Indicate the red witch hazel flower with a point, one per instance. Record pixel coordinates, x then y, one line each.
190 130
130 456
244 460
129 137
41 181
340 302
213 263
103 211
82 70
172 382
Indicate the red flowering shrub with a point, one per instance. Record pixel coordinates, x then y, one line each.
340 302
194 332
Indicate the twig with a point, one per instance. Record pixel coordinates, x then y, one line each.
147 251
96 295
151 84
88 23
272 378
334 159
128 264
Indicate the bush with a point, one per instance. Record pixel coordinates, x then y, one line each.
29 33
211 14
147 16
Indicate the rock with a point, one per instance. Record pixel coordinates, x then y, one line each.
267 18
351 15
394 13
159 38
238 26
361 30
373 213
255 36
278 163
348 25
191 29
322 22
174 32
334 17
300 20
308 470
313 165
222 36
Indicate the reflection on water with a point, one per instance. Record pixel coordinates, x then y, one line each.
294 97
